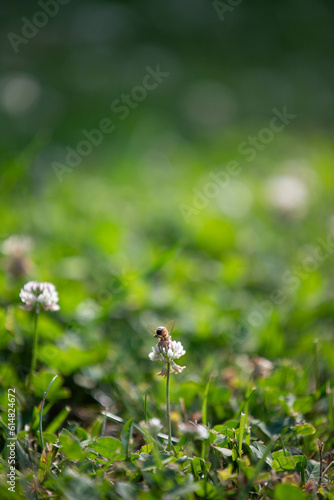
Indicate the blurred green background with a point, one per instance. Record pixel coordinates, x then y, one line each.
111 232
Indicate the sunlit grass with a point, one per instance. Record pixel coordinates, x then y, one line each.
122 256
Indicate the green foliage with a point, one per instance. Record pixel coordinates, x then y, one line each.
107 447
122 259
284 491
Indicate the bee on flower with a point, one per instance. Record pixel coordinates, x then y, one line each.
166 349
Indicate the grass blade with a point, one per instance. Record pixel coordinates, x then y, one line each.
41 412
126 437
205 412
241 432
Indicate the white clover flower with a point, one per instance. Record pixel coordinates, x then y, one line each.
165 351
153 426
36 295
194 431
168 351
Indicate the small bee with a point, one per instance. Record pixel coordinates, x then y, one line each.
163 332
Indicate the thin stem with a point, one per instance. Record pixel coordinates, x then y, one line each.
145 413
330 404
205 414
41 412
327 469
316 363
321 445
284 450
103 428
145 407
169 425
34 351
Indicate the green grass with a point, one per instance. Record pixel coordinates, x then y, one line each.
115 244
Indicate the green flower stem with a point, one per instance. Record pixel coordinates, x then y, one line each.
169 424
34 352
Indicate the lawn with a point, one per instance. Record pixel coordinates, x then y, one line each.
237 252
166 250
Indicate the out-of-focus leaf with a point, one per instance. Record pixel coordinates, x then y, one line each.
258 450
107 446
288 492
224 451
312 471
49 438
283 463
72 359
303 405
280 453
261 430
70 446
305 429
127 491
58 420
56 391
300 460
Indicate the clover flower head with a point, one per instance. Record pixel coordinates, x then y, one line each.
37 295
153 426
167 351
194 431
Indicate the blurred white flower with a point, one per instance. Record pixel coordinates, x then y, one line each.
194 431
168 351
36 295
262 367
16 245
153 426
287 193
16 249
87 311
19 94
